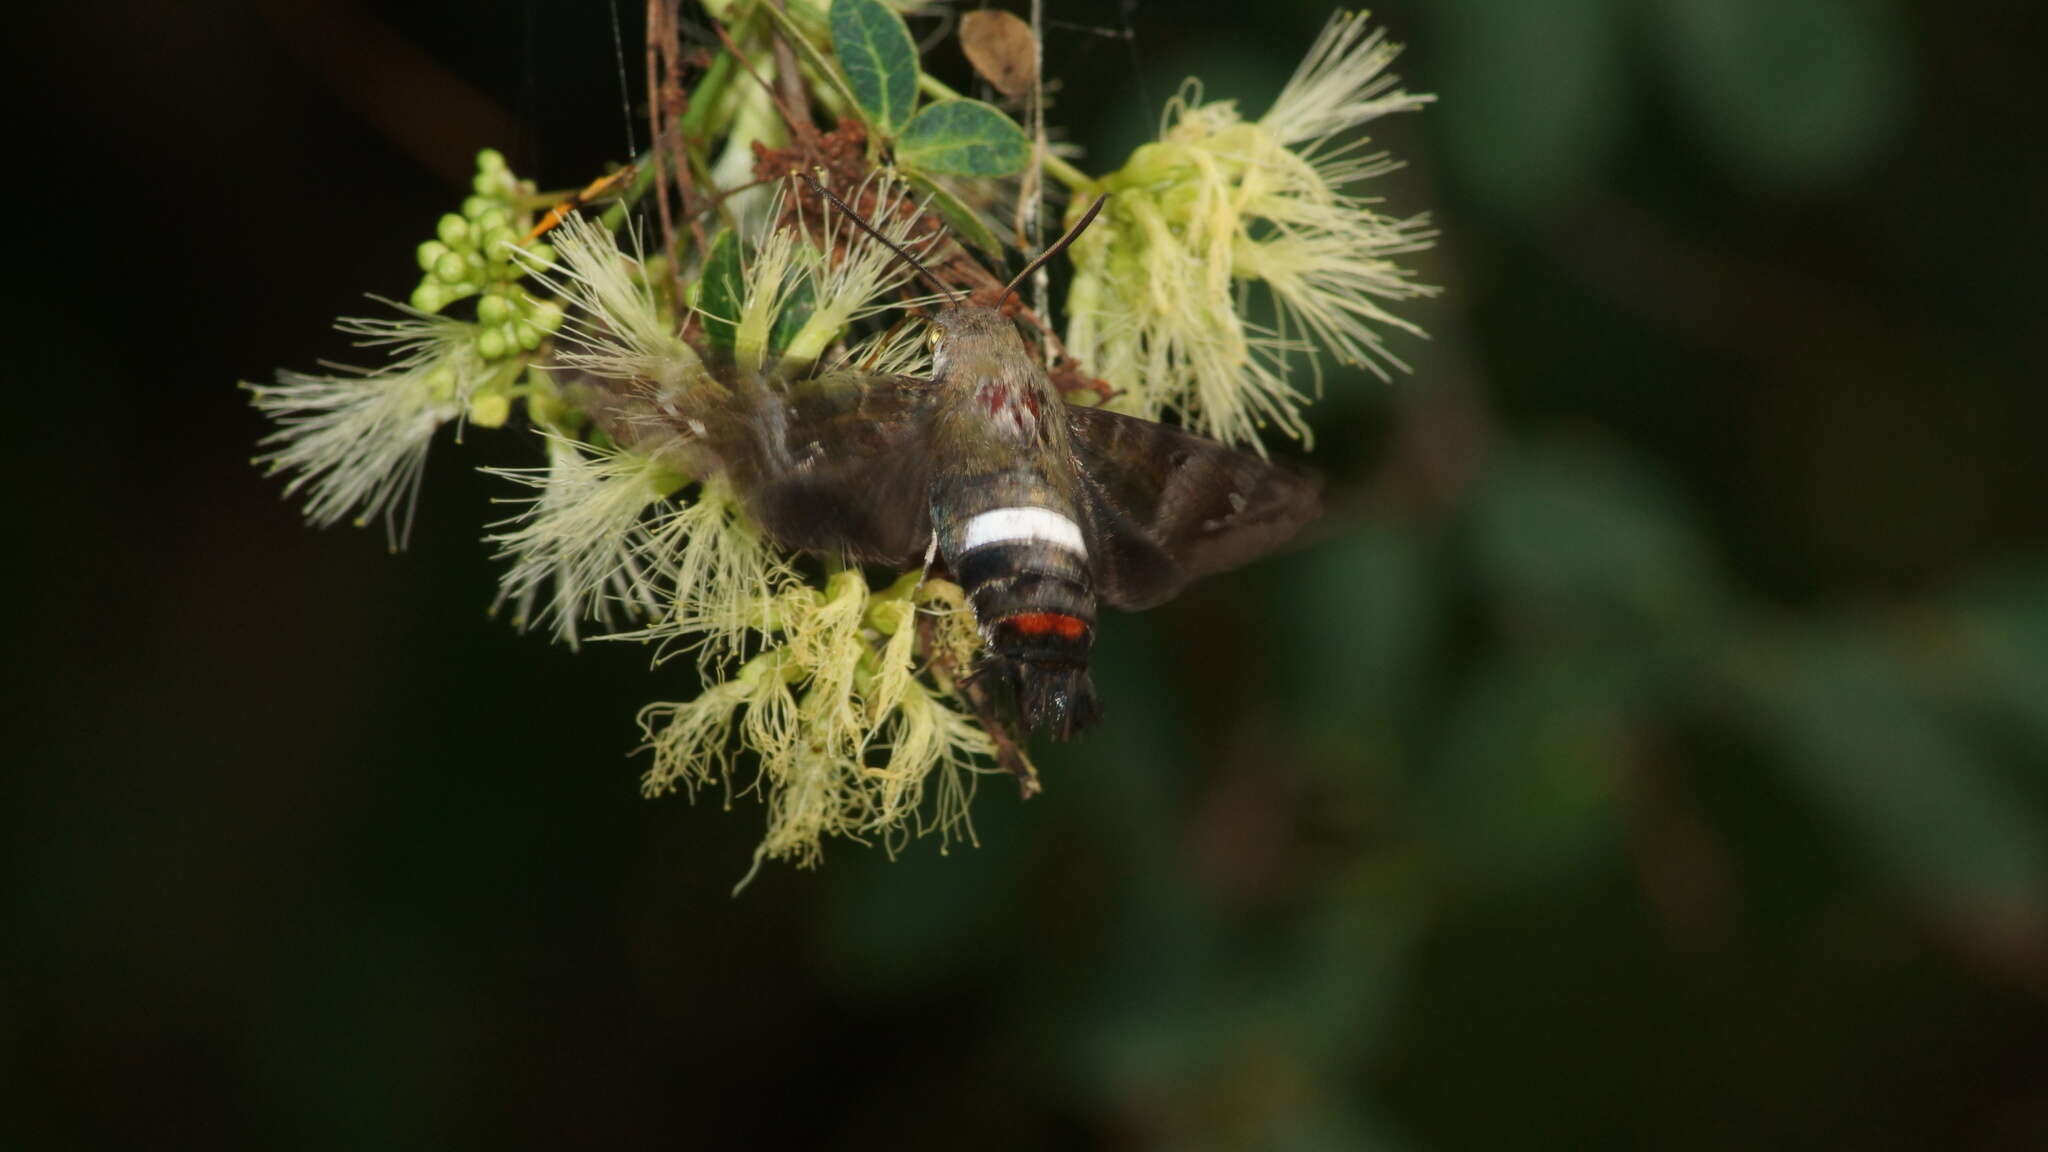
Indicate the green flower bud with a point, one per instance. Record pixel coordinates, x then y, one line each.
850 582
454 231
429 296
542 253
491 344
889 616
751 672
496 240
490 410
546 315
475 206
493 309
488 184
428 253
527 336
451 268
490 160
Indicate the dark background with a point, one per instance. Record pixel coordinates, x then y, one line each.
1648 752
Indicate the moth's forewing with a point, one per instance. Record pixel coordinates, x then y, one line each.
1167 506
841 464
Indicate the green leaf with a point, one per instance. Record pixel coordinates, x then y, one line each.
812 57
1351 621
1800 96
1578 528
1523 789
966 225
1541 92
722 290
880 61
2004 636
963 138
1857 734
796 309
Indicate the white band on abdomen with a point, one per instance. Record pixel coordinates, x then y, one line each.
1010 524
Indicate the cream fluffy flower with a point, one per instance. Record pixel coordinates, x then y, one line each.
1220 205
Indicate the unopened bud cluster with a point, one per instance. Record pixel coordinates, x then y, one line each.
471 254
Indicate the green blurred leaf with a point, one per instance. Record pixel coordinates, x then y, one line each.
2004 622
879 60
1853 731
796 308
1353 614
1534 93
963 138
1794 94
722 290
1577 526
1526 788
1350 622
966 225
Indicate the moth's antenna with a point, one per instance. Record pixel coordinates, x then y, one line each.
1059 246
868 228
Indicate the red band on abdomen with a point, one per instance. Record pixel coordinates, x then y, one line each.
1048 623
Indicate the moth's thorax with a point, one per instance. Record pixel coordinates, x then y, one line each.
996 388
1014 410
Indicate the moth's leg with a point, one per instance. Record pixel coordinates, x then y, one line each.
931 554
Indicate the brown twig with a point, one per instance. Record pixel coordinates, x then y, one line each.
665 103
789 117
792 82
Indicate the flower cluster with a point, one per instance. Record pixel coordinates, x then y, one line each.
826 695
356 440
841 701
1219 203
846 735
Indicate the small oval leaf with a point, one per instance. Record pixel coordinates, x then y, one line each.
880 61
722 290
963 138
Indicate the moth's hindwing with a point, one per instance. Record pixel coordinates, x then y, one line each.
1167 507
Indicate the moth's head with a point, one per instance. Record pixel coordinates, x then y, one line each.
970 341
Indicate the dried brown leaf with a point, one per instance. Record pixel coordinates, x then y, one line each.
1000 47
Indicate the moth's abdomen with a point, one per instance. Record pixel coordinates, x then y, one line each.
1024 568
